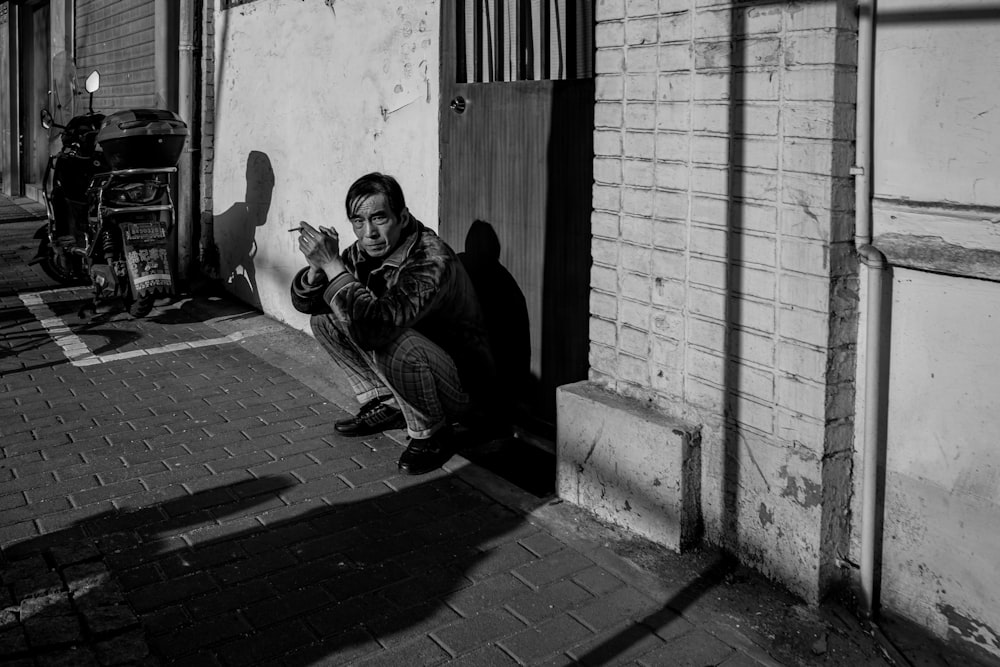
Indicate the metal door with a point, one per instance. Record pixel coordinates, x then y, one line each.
517 153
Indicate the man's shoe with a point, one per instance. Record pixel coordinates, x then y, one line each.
426 454
374 417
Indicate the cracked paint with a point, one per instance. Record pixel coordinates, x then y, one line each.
803 491
970 628
766 516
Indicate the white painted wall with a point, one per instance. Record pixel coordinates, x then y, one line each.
937 141
938 90
942 554
322 92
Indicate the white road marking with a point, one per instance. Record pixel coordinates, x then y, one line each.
77 351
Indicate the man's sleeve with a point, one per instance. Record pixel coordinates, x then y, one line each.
308 298
375 321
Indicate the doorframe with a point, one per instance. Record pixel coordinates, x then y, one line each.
29 126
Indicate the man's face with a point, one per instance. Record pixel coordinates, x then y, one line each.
378 229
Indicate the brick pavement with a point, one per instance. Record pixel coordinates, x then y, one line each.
180 503
20 210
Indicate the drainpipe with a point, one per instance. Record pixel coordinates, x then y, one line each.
185 107
873 509
161 53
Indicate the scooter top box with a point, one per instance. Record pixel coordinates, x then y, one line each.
142 138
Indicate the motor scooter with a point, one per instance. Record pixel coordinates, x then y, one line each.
109 205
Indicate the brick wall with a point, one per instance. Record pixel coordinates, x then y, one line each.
724 284
116 37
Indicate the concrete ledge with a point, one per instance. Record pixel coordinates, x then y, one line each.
628 464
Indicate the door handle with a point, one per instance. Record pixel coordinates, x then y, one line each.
458 105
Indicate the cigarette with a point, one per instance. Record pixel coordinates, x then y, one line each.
295 229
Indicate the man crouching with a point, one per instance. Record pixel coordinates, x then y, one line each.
399 315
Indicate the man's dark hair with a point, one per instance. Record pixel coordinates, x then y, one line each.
371 184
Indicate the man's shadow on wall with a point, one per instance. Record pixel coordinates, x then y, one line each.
506 313
236 229
235 572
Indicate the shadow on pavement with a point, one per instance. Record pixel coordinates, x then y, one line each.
309 580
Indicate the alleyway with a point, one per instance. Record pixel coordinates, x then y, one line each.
171 492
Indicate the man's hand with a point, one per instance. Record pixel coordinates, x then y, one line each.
321 248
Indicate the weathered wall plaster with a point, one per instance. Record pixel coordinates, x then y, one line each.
936 135
937 153
309 95
942 530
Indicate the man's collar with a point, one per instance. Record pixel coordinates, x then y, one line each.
396 257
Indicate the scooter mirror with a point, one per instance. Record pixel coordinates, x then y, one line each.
93 82
46 119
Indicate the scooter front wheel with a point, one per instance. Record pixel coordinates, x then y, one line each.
60 269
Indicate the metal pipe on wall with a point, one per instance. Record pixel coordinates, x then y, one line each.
873 510
10 167
185 84
161 52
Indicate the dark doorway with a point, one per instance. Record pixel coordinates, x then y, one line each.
35 57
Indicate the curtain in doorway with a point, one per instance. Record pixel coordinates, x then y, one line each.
524 40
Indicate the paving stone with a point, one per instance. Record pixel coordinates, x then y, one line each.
547 601
74 552
668 624
541 544
108 492
470 633
282 607
77 656
243 461
597 580
137 577
132 471
202 634
430 584
17 532
345 648
554 566
617 646
693 649
37 507
344 585
127 649
12 638
187 561
106 617
335 618
418 652
503 558
31 576
740 660
217 532
486 593
487 656
373 475
323 488
546 639
284 533
165 619
403 625
611 609
261 565
265 645
161 594
47 630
